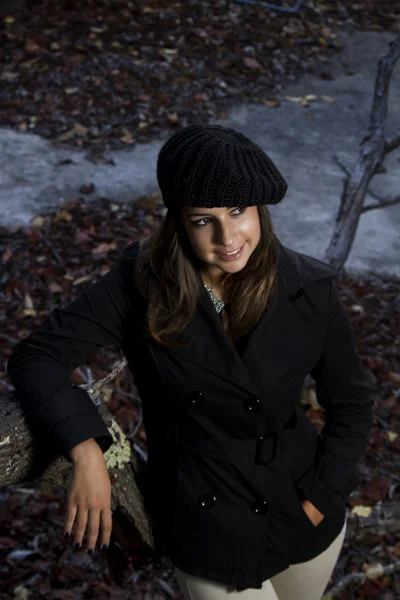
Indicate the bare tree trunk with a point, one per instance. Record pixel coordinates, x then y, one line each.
374 148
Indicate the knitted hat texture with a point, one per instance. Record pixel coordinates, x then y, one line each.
214 166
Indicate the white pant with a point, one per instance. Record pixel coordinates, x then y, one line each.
302 581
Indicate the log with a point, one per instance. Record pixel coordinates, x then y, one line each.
26 458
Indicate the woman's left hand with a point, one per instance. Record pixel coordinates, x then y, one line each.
312 512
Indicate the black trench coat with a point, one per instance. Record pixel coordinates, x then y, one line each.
231 455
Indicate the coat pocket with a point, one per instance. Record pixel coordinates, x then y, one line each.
303 513
297 456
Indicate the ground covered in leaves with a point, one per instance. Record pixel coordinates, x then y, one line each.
115 73
112 72
57 258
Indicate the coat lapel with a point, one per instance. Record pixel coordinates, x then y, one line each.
282 338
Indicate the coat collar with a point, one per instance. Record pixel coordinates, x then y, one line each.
296 270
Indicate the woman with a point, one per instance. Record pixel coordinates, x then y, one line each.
220 324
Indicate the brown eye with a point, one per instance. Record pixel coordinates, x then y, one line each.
200 224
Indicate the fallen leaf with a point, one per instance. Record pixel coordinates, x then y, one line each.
66 161
357 308
7 254
326 75
373 570
173 118
28 302
376 489
81 237
83 279
65 137
80 130
55 287
29 310
9 76
395 444
20 554
63 215
31 46
167 52
395 377
103 248
297 99
273 102
127 139
361 511
251 63
38 221
87 189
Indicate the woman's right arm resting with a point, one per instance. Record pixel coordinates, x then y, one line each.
40 365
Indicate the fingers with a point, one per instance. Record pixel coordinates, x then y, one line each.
89 521
92 529
80 523
106 526
70 517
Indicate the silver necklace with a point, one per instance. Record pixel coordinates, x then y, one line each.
219 304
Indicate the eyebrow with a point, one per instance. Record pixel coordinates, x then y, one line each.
205 214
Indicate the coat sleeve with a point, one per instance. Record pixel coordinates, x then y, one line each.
344 390
40 365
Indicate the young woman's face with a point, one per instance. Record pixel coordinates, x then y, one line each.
214 232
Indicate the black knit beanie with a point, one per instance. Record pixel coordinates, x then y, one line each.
215 166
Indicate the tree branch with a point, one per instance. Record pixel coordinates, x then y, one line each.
372 150
383 203
392 143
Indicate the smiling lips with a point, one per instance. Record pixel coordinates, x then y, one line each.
233 256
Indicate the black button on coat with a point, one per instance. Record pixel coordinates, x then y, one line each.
231 456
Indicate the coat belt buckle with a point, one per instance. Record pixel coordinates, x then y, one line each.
267 445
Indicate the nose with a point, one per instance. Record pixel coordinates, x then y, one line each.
226 235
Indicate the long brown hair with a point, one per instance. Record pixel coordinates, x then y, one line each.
166 274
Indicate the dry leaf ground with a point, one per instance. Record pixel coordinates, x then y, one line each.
114 73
